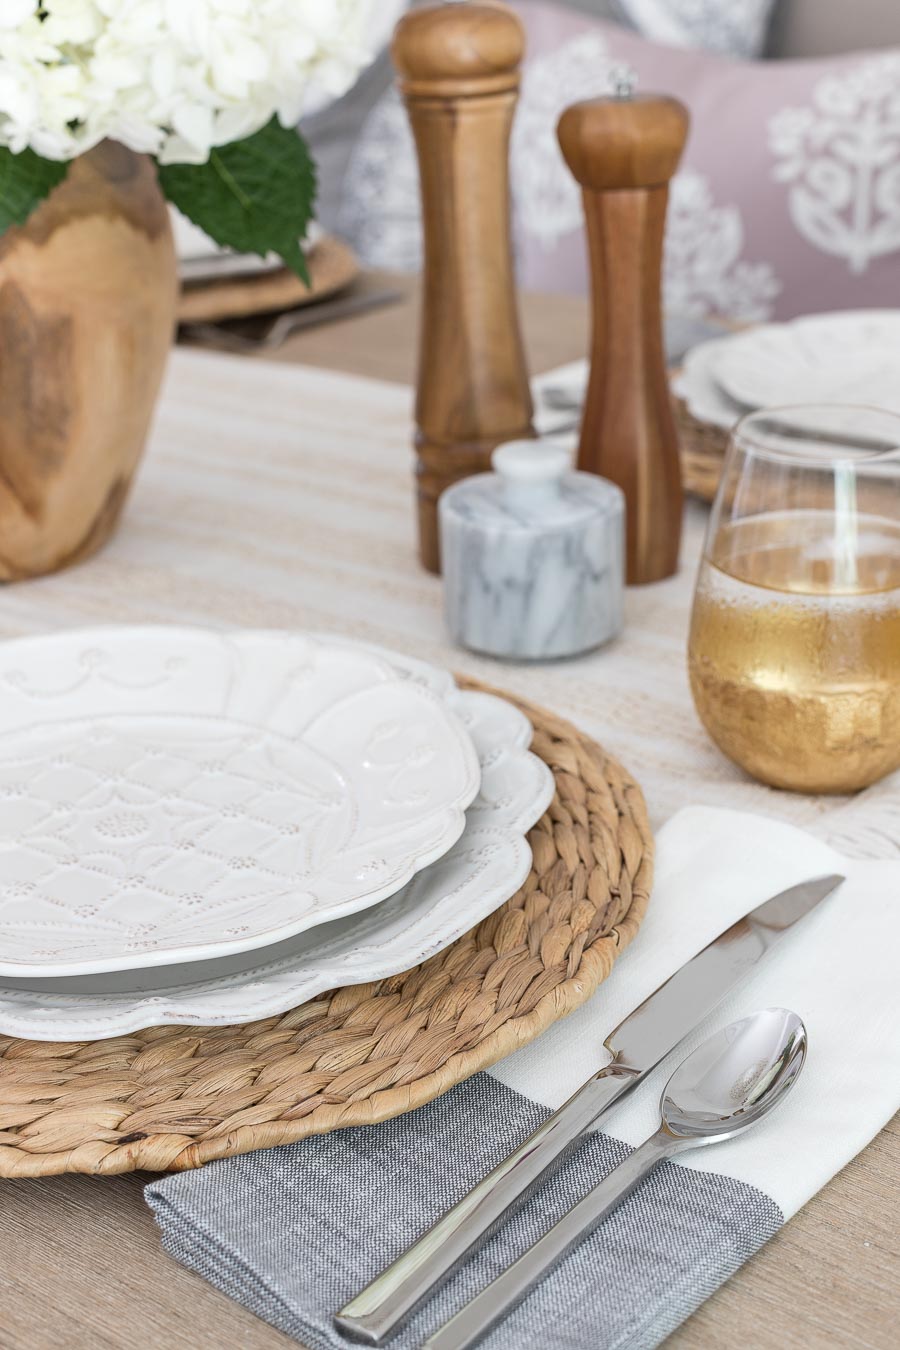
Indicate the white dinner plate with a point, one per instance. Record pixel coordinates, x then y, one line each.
483 868
176 794
846 357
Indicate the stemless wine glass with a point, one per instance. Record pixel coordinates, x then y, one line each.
794 649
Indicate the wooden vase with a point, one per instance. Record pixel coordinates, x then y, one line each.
88 292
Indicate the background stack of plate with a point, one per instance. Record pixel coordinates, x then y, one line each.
207 828
202 259
218 284
848 357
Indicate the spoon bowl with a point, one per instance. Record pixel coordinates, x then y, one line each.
729 1083
734 1078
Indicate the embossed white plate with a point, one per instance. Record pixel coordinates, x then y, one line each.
483 868
172 794
846 357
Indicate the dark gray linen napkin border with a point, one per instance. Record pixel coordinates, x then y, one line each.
292 1232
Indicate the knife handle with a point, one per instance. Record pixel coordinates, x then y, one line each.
373 1315
507 1291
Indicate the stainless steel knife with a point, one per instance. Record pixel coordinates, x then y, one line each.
637 1045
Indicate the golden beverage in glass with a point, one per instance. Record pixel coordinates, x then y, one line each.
794 650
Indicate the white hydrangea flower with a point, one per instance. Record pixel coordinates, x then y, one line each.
171 77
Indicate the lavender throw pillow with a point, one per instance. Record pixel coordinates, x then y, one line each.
788 198
787 201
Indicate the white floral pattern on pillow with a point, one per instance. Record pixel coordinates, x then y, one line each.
841 156
546 198
705 271
737 27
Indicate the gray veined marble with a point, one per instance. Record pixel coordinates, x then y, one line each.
533 556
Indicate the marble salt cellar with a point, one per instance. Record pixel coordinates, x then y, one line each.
533 556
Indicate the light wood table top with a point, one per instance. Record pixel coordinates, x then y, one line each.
82 1267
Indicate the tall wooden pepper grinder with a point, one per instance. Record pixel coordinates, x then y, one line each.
458 72
623 151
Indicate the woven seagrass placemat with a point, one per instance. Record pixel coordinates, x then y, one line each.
171 1098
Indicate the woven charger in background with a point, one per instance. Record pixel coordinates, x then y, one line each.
172 1098
703 447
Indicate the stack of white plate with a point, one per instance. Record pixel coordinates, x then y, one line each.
852 356
213 828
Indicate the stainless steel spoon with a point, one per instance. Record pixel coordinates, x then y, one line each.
729 1083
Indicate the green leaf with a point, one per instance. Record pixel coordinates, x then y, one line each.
25 180
255 196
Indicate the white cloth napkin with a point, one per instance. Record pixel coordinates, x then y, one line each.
837 969
293 1232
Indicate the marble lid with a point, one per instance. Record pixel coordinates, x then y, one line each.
531 462
533 487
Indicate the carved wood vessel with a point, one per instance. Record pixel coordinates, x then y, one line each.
458 72
88 291
623 151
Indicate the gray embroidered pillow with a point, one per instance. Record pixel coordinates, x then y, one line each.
385 232
736 27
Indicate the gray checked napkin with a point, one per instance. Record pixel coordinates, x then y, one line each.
293 1232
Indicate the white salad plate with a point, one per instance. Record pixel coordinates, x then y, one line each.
696 384
845 357
176 794
483 868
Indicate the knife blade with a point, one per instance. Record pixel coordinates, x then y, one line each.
637 1045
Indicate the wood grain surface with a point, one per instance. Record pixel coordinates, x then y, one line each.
82 1267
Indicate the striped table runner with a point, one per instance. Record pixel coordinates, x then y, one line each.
281 496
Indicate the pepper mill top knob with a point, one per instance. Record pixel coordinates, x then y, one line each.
632 142
458 49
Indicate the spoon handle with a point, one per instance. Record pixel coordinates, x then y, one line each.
473 1321
375 1313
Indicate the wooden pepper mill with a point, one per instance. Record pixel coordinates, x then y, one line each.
623 151
458 72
